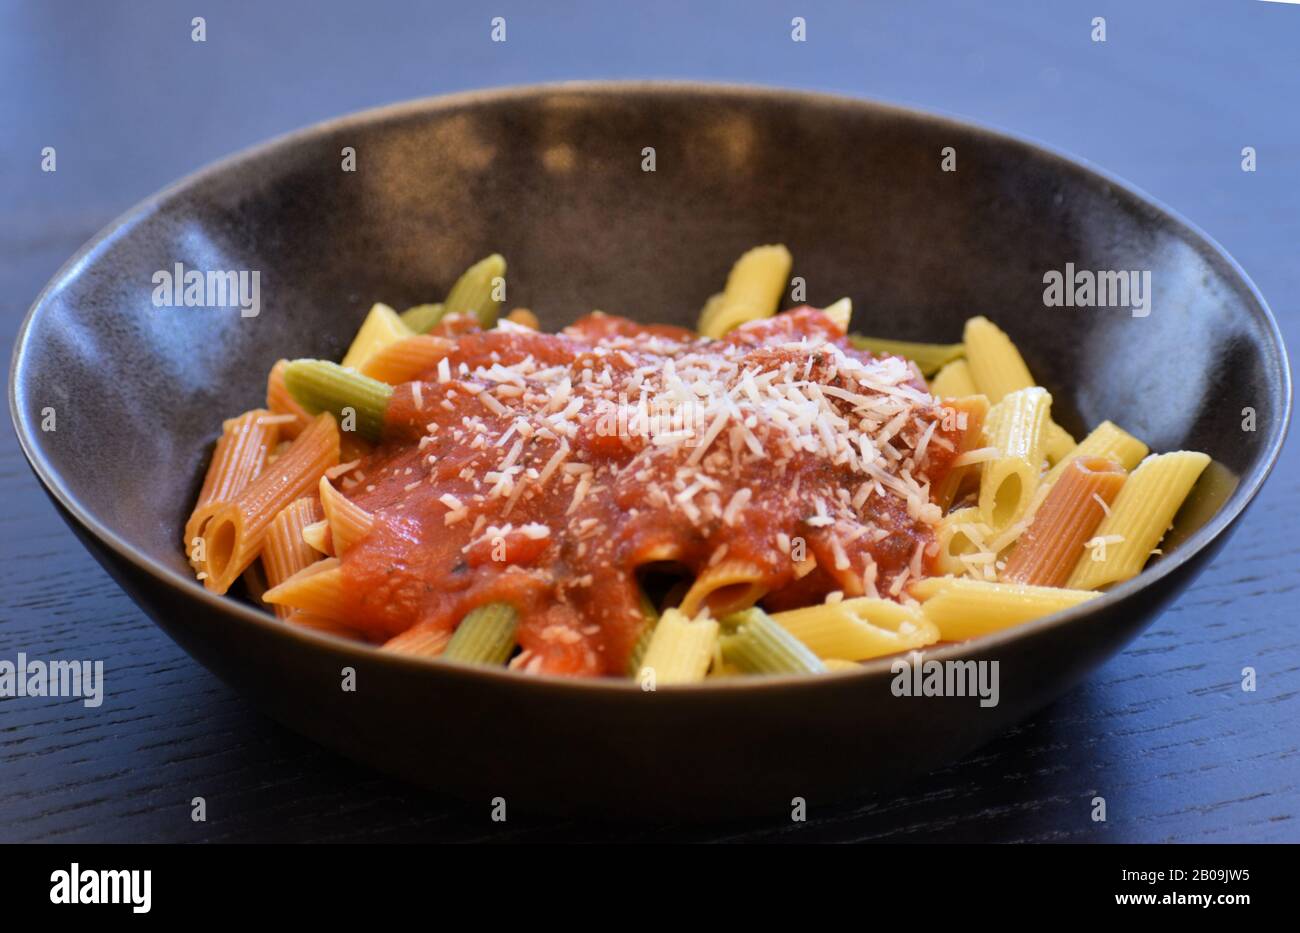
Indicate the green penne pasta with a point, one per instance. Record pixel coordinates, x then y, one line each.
758 645
422 318
473 291
643 640
929 357
485 636
320 386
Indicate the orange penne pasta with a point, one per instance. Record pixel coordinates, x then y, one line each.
1049 549
726 587
406 359
419 641
280 401
238 459
333 626
973 408
316 590
285 552
348 522
234 535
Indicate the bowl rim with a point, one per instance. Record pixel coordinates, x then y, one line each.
186 587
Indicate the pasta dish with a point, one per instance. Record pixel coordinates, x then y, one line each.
770 493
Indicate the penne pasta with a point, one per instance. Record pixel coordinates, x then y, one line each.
1050 548
1015 426
316 590
348 522
840 313
1138 519
479 291
998 370
995 364
406 359
680 651
726 587
962 608
789 466
953 381
1105 440
281 402
422 318
234 536
753 290
381 327
929 358
485 636
964 540
285 551
858 629
758 645
237 460
421 641
969 414
320 386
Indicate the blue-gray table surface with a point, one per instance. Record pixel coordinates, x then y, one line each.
129 102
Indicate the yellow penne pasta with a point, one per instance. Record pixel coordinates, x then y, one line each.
1057 442
317 590
962 608
998 369
969 413
953 381
680 650
964 540
285 552
234 536
1138 519
1047 552
858 629
840 313
726 587
237 460
348 522
708 313
381 327
406 359
753 290
1106 440
995 364
1015 426
420 641
840 665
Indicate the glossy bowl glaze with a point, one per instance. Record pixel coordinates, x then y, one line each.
553 178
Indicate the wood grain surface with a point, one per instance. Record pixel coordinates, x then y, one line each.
1164 731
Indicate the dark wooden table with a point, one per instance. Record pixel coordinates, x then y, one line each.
129 103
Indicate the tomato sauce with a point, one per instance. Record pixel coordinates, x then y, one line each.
518 471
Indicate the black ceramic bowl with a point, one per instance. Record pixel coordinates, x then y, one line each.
552 178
